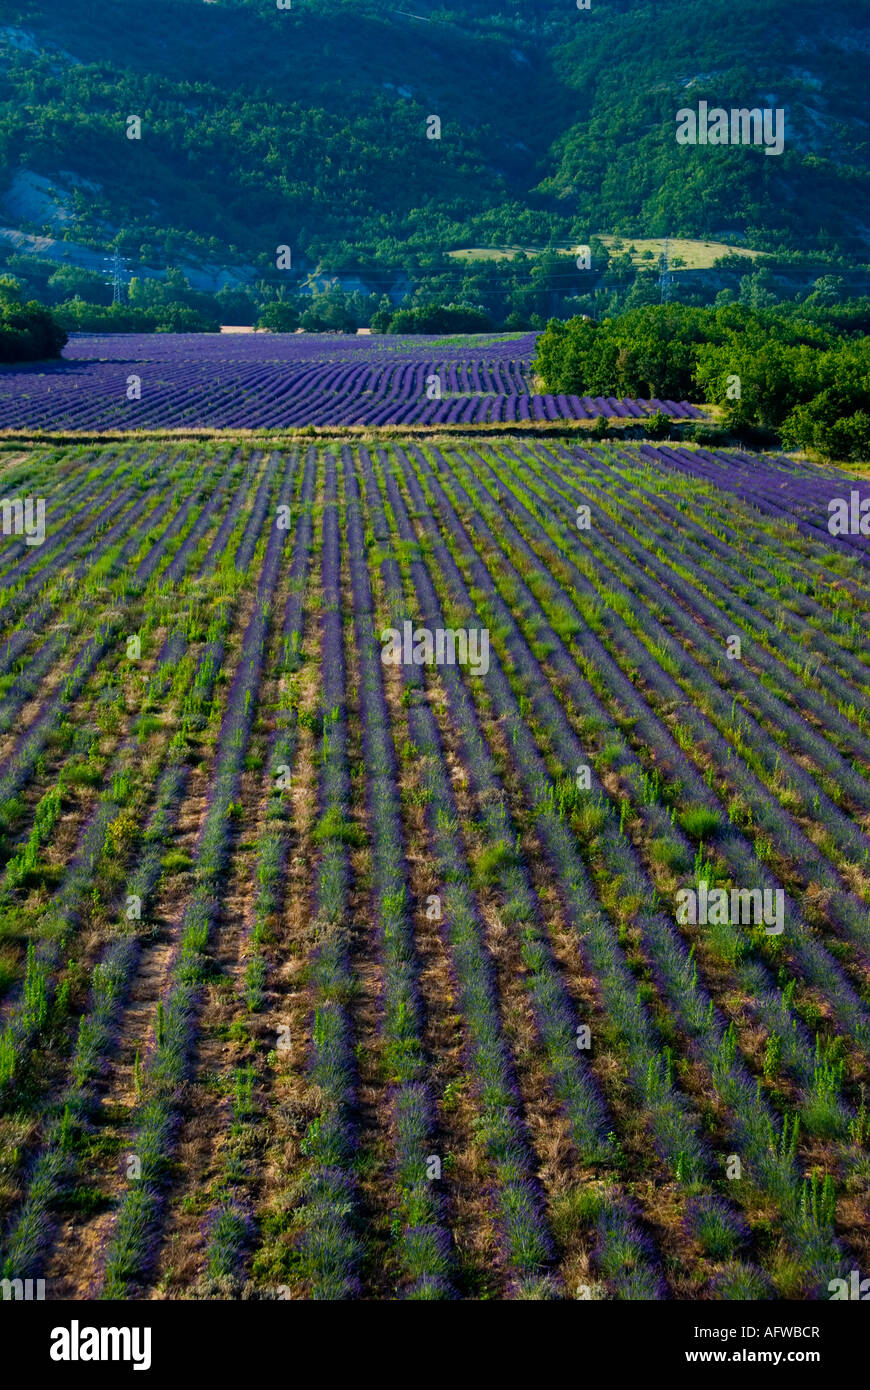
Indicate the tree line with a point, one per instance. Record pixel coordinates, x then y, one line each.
801 370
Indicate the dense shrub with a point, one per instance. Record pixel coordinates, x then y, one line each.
435 318
28 332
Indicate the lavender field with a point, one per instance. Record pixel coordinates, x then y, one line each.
268 381
435 869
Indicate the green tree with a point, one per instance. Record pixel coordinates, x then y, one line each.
281 316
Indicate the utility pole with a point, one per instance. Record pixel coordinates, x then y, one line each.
116 276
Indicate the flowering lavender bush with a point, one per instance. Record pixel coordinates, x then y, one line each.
345 975
266 381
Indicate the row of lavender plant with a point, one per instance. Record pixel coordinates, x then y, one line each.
166 1066
62 480
67 597
229 1222
69 525
424 1243
30 612
116 488
170 687
766 820
785 493
810 1064
329 1248
45 660
650 1068
48 809
27 751
833 677
622 549
689 473
623 1254
273 844
758 600
706 1036
28 1013
288 380
526 1241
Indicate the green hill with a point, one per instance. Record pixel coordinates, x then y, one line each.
308 126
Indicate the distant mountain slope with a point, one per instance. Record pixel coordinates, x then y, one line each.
809 60
309 126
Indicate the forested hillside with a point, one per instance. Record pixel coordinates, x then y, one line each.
308 126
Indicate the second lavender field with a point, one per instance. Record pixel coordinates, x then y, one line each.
269 381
